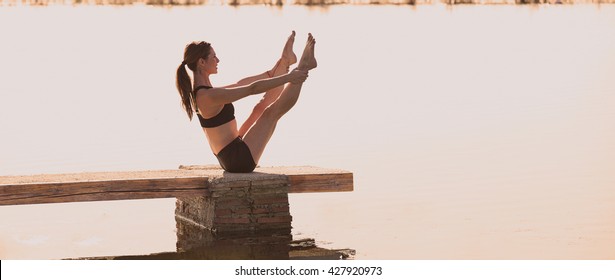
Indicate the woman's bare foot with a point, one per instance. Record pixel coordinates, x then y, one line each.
288 58
288 55
308 61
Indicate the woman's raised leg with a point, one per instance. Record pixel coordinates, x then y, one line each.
281 67
259 134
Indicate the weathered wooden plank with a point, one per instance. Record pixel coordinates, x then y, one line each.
100 176
53 192
184 182
321 183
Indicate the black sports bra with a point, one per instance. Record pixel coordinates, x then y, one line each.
226 115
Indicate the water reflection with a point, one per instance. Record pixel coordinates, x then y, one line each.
287 2
196 243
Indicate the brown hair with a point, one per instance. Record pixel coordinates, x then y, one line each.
192 53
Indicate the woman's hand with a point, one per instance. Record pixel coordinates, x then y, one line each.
298 76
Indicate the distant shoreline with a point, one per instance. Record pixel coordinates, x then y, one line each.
281 3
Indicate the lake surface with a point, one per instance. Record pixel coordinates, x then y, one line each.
474 132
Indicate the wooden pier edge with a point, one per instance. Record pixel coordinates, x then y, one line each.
183 182
302 179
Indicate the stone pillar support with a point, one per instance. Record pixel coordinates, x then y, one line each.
240 203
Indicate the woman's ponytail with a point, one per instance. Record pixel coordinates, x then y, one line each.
184 86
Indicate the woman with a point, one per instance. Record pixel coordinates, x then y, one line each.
239 150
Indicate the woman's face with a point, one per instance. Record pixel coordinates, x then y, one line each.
211 62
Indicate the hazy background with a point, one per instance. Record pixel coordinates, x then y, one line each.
474 132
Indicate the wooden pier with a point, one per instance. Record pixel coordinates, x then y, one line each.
207 197
187 181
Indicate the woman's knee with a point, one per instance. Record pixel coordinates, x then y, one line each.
261 106
271 113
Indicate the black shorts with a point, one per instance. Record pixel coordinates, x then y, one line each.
236 157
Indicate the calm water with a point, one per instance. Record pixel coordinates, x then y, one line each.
473 131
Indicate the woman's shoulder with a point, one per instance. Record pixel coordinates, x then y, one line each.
197 88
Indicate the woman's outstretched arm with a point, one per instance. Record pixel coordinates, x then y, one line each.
265 75
220 96
248 80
